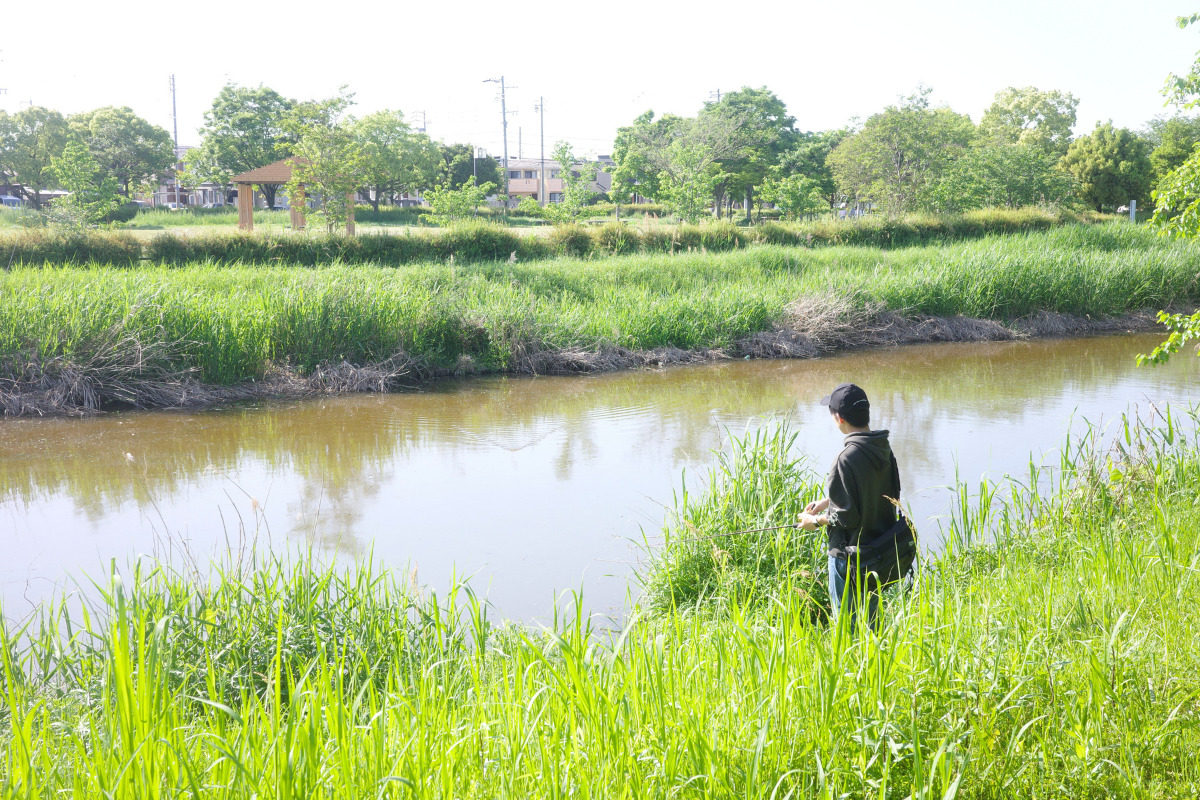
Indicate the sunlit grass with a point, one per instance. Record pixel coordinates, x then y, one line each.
1056 662
233 323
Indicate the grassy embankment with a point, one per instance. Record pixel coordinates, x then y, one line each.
1056 662
470 242
117 333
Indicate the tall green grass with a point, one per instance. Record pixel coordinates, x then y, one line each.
233 323
1046 654
486 239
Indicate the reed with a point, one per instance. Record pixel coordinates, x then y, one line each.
477 240
1046 653
225 325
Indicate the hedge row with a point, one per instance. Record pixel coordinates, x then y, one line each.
482 241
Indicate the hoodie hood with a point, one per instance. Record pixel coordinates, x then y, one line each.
873 445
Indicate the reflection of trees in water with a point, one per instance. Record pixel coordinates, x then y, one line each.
342 450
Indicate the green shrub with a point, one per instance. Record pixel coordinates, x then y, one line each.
475 241
615 239
778 234
570 240
123 213
723 236
46 246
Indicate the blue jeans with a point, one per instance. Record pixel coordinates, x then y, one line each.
838 568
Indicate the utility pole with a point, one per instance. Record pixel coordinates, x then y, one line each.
175 125
541 109
717 93
519 151
504 124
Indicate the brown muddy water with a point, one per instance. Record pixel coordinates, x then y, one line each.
531 486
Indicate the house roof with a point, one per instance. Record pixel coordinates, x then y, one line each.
279 172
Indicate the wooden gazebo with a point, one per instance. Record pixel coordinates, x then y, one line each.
276 174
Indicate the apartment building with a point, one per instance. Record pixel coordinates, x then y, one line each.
524 179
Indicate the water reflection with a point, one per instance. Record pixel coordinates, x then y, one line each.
532 484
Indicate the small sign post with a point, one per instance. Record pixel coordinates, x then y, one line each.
1133 210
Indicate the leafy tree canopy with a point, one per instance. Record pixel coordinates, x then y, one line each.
633 152
395 158
29 141
809 157
767 131
243 130
1111 165
898 157
456 169
93 195
124 145
329 159
1174 139
1177 193
1030 116
1005 175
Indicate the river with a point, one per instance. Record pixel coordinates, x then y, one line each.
530 486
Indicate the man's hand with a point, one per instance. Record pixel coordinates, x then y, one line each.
809 522
817 506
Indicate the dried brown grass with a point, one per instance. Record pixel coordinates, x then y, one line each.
123 371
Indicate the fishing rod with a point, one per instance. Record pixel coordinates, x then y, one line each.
735 533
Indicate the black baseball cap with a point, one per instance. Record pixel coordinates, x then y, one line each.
846 398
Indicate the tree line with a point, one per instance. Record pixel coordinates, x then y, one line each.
105 156
744 149
913 155
106 153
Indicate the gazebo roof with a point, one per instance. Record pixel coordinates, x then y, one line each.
279 172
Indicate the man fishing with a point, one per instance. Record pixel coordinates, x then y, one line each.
856 508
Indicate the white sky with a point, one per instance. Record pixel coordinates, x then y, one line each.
597 65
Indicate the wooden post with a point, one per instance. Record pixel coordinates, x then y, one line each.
246 206
350 217
297 205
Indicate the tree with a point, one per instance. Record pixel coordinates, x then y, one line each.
1177 205
328 159
1004 175
29 141
577 181
681 159
795 195
1112 166
449 204
93 195
243 130
898 157
395 158
1032 117
690 173
1182 330
124 145
809 157
460 167
633 153
1174 139
1177 194
767 131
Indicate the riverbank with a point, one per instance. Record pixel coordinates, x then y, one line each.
159 336
988 679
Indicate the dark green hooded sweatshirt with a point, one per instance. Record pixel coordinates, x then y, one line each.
860 477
